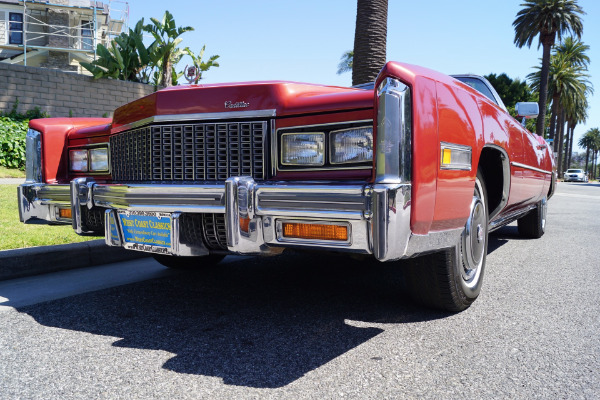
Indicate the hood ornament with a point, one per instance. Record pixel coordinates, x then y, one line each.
237 104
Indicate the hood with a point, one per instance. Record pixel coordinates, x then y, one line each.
286 98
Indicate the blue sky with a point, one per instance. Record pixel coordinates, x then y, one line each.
304 40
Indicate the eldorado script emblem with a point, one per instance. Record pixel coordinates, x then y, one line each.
239 104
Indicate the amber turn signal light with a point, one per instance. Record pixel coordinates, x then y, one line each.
245 224
65 213
315 231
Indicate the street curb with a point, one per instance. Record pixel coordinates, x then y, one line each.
45 259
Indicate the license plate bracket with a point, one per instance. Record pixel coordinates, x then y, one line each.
149 231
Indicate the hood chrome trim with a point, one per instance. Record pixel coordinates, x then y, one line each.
196 117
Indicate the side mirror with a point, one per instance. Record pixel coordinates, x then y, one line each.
527 109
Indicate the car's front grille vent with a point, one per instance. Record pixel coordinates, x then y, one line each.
190 152
204 228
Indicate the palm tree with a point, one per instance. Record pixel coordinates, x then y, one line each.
568 84
595 148
346 62
576 113
166 39
588 141
370 40
549 19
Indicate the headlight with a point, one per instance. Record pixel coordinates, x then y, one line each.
99 159
352 145
89 160
303 149
78 160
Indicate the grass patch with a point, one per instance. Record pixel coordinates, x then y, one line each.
11 173
16 235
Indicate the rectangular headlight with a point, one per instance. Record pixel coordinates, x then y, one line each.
303 149
99 159
78 160
353 145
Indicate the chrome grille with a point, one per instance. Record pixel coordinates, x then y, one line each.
208 229
189 152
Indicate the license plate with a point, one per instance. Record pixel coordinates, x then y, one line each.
146 231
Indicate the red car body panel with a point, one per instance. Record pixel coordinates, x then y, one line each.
54 143
441 198
286 98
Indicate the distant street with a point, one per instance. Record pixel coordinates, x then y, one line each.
314 326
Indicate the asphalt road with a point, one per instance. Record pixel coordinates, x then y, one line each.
305 326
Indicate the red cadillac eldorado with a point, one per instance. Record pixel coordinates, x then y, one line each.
416 170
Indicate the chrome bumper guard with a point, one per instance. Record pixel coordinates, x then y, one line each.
40 202
378 216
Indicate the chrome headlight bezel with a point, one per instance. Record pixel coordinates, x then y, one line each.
90 155
327 132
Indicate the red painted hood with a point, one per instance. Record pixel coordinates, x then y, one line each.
286 98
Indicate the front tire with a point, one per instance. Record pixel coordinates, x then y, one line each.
188 263
451 280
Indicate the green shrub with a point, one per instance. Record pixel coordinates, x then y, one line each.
13 129
12 142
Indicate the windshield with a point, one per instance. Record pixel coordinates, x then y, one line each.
574 171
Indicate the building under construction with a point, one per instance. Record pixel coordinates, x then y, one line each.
58 34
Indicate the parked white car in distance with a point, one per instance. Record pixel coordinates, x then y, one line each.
575 175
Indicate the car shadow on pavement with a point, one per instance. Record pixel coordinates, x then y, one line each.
502 236
256 322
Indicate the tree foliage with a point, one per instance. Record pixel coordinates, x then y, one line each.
166 35
346 62
511 91
548 19
13 129
127 58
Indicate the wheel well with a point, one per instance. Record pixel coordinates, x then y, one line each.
493 164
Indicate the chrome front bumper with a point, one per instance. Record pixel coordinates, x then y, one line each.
378 216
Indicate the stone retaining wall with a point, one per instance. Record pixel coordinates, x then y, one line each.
63 94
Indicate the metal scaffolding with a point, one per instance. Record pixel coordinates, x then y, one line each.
82 24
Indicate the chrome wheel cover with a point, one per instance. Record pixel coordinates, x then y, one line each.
474 242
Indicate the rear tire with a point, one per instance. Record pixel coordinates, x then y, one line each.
188 263
451 279
533 225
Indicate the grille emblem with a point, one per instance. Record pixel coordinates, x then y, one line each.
238 104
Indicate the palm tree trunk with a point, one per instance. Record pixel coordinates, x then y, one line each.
595 163
167 76
587 158
560 134
370 40
567 155
571 135
555 99
541 121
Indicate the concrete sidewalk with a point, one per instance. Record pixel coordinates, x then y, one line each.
45 259
11 181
